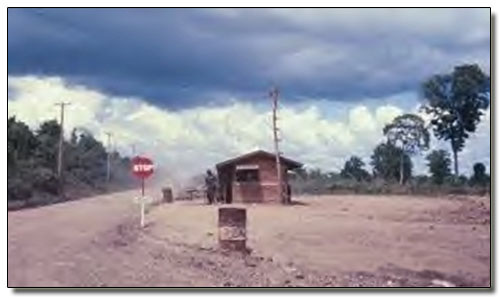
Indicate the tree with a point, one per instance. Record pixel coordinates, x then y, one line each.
32 162
386 162
32 158
479 177
439 165
21 142
315 174
48 138
408 133
353 168
455 104
87 158
301 173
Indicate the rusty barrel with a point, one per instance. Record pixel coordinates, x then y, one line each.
167 195
232 228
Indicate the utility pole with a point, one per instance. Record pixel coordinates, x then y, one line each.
61 145
274 94
108 168
133 150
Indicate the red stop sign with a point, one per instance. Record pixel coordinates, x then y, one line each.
142 167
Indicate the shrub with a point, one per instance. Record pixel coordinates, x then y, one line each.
45 180
18 189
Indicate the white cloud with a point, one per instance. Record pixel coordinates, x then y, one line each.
188 141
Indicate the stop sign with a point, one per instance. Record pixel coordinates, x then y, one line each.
142 167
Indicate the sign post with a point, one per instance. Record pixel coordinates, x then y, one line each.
142 168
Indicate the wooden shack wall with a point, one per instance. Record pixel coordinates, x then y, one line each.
263 191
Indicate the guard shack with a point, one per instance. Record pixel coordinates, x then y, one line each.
252 177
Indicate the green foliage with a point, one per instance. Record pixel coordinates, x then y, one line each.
18 189
387 161
48 141
333 183
311 181
455 104
354 169
86 158
21 142
32 162
408 133
479 177
455 181
439 165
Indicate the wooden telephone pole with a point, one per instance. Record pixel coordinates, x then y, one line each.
108 165
274 94
61 145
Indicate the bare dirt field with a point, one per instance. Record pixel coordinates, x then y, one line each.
333 241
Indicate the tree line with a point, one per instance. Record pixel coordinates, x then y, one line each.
454 103
32 165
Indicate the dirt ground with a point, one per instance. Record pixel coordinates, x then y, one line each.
332 241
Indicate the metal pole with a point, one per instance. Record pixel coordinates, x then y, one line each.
142 204
142 187
274 95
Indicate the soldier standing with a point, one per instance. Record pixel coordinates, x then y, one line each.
211 186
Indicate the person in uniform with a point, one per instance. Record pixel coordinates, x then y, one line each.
211 186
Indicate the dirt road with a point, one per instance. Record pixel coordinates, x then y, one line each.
322 241
96 243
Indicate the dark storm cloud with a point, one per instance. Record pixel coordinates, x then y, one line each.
186 57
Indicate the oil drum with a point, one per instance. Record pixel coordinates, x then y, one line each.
232 228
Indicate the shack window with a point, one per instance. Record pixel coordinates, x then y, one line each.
247 175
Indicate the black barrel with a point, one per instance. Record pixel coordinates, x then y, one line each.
167 195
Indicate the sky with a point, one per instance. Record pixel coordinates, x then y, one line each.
189 87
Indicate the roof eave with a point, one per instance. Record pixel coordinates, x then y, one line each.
291 163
